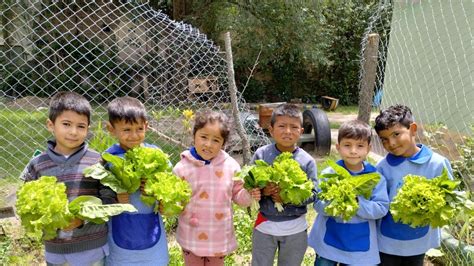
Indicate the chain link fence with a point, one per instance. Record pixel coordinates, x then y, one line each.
102 50
424 60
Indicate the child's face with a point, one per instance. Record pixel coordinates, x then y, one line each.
399 140
129 135
70 131
208 141
353 152
286 131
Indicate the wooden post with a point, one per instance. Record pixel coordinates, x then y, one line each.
233 98
368 79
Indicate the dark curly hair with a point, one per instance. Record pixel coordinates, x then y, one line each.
395 114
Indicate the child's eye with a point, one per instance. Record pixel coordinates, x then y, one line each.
66 124
82 126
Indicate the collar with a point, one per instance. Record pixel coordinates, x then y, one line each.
367 168
60 159
294 151
194 153
421 157
116 149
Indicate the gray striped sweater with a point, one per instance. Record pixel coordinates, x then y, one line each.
69 171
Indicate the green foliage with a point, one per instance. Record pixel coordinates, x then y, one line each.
90 208
101 140
125 174
295 187
64 63
463 169
43 207
435 202
255 176
341 189
304 49
171 191
120 178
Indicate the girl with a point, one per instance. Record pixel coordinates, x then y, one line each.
205 229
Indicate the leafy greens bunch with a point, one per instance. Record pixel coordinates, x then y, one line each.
294 185
435 202
171 191
255 176
125 174
43 208
341 189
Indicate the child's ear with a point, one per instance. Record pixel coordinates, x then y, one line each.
301 131
337 147
146 125
109 127
50 125
270 130
413 128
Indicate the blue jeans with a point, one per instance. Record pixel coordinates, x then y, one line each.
320 261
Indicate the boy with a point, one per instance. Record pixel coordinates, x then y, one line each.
399 243
66 156
135 238
286 230
354 241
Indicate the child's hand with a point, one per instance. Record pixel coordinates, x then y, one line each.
256 194
75 223
160 207
123 197
142 186
276 197
270 189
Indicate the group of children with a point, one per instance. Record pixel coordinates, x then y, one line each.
205 228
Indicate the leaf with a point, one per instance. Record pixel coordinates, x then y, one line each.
341 189
421 201
43 207
91 208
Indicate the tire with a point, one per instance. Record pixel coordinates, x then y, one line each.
317 119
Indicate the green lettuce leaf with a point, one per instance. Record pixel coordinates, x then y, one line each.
341 189
90 208
435 202
43 207
169 190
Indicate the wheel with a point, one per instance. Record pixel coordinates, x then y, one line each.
317 119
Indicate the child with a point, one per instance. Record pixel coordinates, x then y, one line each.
286 230
399 243
66 156
205 228
135 238
355 241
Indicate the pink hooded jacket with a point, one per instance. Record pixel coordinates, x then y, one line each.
205 227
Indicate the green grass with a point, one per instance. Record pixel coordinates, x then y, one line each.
21 133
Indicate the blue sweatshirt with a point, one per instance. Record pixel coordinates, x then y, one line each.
394 237
354 241
137 238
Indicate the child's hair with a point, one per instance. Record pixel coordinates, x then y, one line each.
286 109
354 129
209 116
69 101
395 114
126 108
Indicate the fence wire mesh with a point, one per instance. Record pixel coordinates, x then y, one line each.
425 58
105 49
